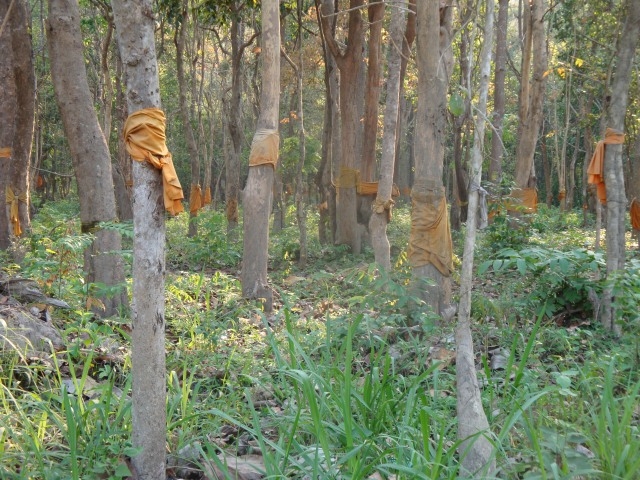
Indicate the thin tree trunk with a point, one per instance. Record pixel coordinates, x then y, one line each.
135 27
613 169
192 147
477 455
89 152
497 147
383 205
262 163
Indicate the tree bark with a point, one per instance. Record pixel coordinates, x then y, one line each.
135 26
382 207
18 26
613 169
434 67
8 106
349 63
257 193
89 152
531 91
192 147
476 450
497 147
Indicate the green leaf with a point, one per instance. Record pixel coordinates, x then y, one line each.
521 265
484 266
122 471
456 104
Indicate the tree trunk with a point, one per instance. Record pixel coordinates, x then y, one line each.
497 147
430 248
262 163
613 170
195 198
383 205
8 106
123 189
18 26
135 30
234 123
349 63
477 455
531 91
89 152
301 187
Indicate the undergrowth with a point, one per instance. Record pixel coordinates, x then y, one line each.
350 378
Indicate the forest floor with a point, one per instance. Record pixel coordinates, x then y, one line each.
350 377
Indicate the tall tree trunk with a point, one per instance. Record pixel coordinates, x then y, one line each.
301 187
123 188
430 247
234 123
135 27
25 88
8 106
350 63
331 134
383 205
613 169
531 91
476 449
262 163
89 152
195 198
497 147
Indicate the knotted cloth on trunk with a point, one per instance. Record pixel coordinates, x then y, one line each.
634 212
14 209
348 178
5 152
430 239
195 199
264 148
523 199
145 139
207 197
596 165
380 206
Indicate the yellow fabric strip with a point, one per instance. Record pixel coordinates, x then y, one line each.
634 212
195 199
264 148
144 136
430 239
380 206
207 197
522 200
367 188
348 178
5 152
14 209
595 170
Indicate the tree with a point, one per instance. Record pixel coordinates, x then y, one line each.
476 449
383 204
532 87
349 62
18 131
613 170
499 98
90 154
8 106
430 247
195 198
135 31
263 160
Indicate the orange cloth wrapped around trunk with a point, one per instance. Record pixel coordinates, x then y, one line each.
264 148
144 136
207 197
195 199
523 199
5 152
14 209
634 212
596 165
430 239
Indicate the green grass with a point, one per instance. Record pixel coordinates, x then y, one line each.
340 381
